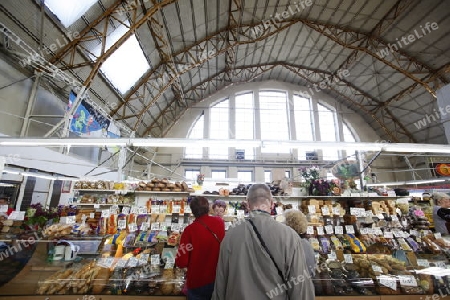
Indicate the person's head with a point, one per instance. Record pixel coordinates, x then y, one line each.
219 207
260 197
441 199
296 220
199 206
3 200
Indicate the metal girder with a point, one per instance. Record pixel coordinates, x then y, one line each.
396 10
234 21
113 13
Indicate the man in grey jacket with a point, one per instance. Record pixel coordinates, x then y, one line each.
247 271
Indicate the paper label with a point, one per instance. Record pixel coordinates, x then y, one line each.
394 218
339 229
329 229
163 209
121 263
134 210
176 209
155 208
320 230
441 264
336 211
142 210
132 227
332 255
388 281
96 205
126 210
175 227
17 215
279 210
349 229
388 235
154 259
310 230
91 215
106 213
312 209
437 235
70 220
122 224
376 268
114 208
155 226
348 258
325 211
423 262
3 208
144 226
407 280
132 262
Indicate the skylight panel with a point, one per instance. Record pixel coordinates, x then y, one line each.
69 11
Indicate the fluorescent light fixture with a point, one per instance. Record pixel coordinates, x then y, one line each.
62 142
411 182
32 174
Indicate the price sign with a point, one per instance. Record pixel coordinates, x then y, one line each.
329 229
122 224
338 229
91 215
155 226
70 220
121 263
106 213
170 260
376 268
423 262
132 227
312 209
348 258
145 226
126 210
440 264
336 211
176 209
325 211
175 227
108 262
414 232
134 209
407 280
114 208
437 235
240 213
142 210
144 259
3 208
96 205
388 281
163 209
380 216
368 213
320 230
154 259
394 218
355 211
388 235
332 255
133 262
349 229
310 230
155 208
17 215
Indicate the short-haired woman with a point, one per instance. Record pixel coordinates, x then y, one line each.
219 207
441 212
199 250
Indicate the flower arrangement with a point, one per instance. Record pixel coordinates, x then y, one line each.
309 174
200 179
37 216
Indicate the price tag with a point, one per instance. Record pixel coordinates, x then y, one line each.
187 209
144 226
380 216
143 260
355 211
132 227
3 208
170 260
142 210
414 232
106 213
70 220
154 259
114 208
155 208
423 262
338 229
108 262
388 235
155 226
122 224
370 230
279 210
349 229
348 258
126 210
310 230
407 280
325 211
332 255
378 231
91 215
96 205
175 227
336 211
134 210
176 209
440 264
329 229
376 268
388 281
121 263
312 209
163 209
132 262
240 213
368 213
17 215
437 235
394 218
320 230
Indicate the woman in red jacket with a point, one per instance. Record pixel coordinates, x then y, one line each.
199 250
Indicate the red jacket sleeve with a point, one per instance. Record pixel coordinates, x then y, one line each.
182 258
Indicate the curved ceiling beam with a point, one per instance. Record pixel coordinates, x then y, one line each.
355 96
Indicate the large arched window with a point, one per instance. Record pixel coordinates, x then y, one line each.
269 115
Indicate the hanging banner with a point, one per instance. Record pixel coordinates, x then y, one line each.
88 122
